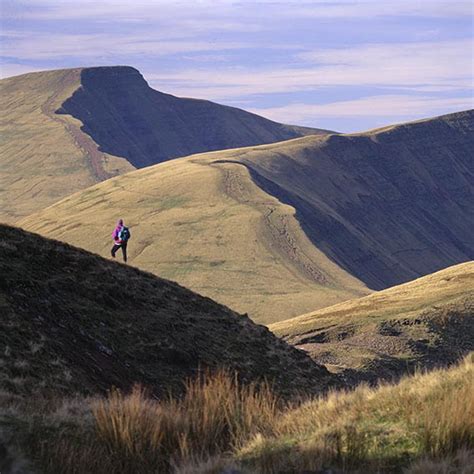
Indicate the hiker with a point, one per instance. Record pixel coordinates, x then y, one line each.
121 234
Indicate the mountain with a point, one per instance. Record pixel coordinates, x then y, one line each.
75 322
388 205
65 130
426 322
208 226
282 229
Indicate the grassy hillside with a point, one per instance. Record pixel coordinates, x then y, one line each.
282 229
428 322
65 130
74 322
424 424
209 227
44 156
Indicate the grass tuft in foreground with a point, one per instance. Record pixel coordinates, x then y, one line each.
215 415
425 416
425 423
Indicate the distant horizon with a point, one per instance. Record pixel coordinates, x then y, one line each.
345 65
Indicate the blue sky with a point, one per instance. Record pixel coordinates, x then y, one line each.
345 65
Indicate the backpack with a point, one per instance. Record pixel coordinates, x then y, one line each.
124 234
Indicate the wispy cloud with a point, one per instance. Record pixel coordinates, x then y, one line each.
144 9
385 8
403 107
188 16
39 46
434 66
291 59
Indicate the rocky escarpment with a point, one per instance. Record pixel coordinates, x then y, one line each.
426 323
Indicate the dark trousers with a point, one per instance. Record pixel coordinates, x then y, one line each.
122 246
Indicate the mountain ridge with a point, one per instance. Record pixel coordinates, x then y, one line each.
424 168
67 129
282 229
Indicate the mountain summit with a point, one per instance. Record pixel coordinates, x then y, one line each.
127 118
65 130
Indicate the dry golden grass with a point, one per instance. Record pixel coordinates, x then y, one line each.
401 301
133 433
424 422
427 416
215 415
131 426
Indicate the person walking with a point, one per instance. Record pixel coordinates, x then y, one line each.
121 234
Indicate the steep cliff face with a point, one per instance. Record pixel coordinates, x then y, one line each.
127 118
388 205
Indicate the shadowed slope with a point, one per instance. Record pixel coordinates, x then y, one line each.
65 130
209 227
72 321
282 229
427 322
127 118
388 205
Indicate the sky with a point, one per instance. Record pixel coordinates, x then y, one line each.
344 65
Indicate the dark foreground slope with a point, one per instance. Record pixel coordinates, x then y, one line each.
65 130
74 322
428 322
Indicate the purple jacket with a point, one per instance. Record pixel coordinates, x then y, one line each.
115 233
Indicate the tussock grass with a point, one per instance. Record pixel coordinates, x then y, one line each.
379 429
215 415
130 433
131 426
425 423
